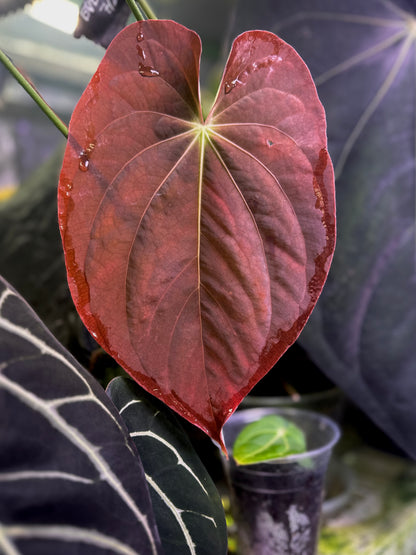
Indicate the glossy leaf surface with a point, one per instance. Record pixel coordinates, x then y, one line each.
362 333
187 507
269 438
197 249
70 478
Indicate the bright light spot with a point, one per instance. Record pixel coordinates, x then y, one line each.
412 26
60 14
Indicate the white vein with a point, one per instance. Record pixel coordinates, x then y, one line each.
342 17
75 437
49 412
180 460
177 513
43 475
6 546
375 102
394 8
6 293
127 405
361 57
45 349
73 399
71 534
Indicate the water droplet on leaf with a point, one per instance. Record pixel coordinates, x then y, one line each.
140 36
83 162
148 71
227 87
96 78
141 52
68 188
230 85
84 157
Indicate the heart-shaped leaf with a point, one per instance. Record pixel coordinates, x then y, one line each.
70 478
197 249
188 509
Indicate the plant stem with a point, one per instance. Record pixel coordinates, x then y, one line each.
5 60
149 13
135 10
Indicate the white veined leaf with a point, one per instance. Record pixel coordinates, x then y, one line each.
70 478
187 506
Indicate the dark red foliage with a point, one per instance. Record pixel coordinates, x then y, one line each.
195 249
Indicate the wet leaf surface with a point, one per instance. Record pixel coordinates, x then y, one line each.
196 249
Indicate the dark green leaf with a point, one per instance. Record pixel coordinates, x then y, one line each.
187 506
70 478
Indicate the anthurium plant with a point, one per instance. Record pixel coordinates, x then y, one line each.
196 247
196 243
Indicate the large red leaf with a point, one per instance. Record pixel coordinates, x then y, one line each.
196 250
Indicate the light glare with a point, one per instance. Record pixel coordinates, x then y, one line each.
59 14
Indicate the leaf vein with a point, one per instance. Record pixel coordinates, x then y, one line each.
175 512
70 534
372 106
77 439
169 446
361 57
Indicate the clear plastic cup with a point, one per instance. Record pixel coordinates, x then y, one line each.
277 504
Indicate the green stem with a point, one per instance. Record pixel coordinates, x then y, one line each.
149 13
5 60
135 10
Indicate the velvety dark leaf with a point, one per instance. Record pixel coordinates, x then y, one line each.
187 507
70 478
362 56
196 249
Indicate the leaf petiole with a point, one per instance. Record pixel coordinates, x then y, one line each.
144 9
135 10
29 88
149 13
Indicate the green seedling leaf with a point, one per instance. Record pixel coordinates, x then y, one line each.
269 438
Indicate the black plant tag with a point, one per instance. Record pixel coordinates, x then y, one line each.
101 20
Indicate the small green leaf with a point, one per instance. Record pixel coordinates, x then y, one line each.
269 438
